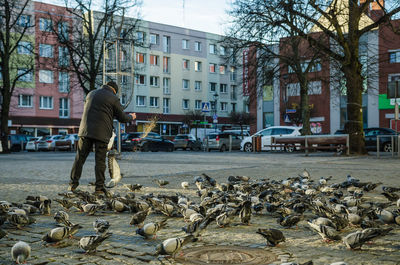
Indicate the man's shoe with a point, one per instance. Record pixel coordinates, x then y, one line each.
72 187
102 192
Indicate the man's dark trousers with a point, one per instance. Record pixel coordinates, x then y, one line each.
85 145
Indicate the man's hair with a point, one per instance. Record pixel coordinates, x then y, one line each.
113 85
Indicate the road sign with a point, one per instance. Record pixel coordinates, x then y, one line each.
205 106
286 118
290 110
215 116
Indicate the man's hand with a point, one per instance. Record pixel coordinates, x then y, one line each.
133 115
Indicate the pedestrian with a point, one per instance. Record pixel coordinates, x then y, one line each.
96 127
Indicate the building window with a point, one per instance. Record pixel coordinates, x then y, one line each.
212 105
166 64
46 102
233 107
140 101
233 74
24 47
197 85
197 104
46 76
166 44
222 50
25 101
166 86
24 21
64 108
166 103
224 106
154 102
394 57
314 88
185 44
185 64
185 84
154 38
197 46
46 50
233 93
45 24
213 67
25 75
63 56
124 80
140 36
222 88
154 59
140 79
213 87
212 48
222 69
185 104
197 66
154 81
63 82
140 57
63 31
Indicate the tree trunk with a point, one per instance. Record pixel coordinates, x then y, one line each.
5 111
305 107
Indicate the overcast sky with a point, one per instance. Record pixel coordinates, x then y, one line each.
204 15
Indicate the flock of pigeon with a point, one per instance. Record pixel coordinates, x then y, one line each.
333 206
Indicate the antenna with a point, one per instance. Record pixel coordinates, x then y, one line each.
183 12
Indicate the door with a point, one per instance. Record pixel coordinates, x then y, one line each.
266 139
370 139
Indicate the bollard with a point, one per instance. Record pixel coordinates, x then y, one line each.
391 138
230 143
306 145
377 146
207 148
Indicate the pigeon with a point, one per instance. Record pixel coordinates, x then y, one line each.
19 220
161 182
327 233
67 204
289 221
398 203
118 206
20 252
185 185
224 219
356 239
171 246
2 233
62 217
90 208
101 226
385 216
60 233
90 243
245 213
273 236
139 217
45 207
150 229
133 187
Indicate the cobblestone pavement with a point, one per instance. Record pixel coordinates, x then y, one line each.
47 173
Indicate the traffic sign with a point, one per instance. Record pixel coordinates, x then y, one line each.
290 110
205 106
286 118
215 116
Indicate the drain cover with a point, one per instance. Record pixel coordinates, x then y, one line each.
225 255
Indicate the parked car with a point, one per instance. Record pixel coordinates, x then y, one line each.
48 143
17 142
66 142
266 134
186 141
239 132
131 141
220 141
32 144
385 142
154 142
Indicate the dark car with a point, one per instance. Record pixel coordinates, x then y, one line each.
17 142
154 142
131 141
385 139
187 141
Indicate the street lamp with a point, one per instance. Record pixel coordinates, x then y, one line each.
215 96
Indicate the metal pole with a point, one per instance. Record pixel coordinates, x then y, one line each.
230 143
377 146
391 139
205 131
306 145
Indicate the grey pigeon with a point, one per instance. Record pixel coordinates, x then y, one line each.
101 226
133 187
150 229
20 220
20 252
90 243
161 182
326 232
57 234
273 236
357 239
171 246
139 217
45 207
62 217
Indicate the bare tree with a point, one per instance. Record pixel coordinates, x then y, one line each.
343 22
241 118
15 27
193 118
94 23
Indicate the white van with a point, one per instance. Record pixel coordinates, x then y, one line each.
202 133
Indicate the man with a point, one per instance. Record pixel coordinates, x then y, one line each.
101 106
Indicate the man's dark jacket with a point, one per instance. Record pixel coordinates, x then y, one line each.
101 106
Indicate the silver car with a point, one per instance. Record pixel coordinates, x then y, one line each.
221 142
32 144
48 143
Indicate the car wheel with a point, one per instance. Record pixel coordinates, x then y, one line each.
145 148
289 148
387 147
248 147
223 148
339 148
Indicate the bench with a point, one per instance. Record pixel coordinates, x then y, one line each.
312 142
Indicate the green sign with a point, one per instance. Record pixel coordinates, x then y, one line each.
204 122
385 103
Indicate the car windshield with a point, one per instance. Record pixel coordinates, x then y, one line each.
181 137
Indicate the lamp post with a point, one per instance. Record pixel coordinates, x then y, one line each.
215 96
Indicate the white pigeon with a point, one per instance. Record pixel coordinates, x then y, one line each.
171 246
20 252
90 243
185 185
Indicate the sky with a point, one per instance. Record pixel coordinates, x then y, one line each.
203 15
